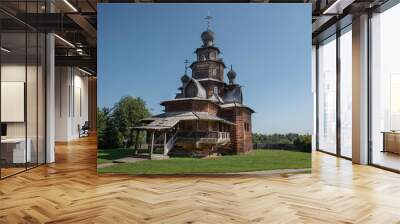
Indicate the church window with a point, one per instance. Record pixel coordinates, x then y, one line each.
214 73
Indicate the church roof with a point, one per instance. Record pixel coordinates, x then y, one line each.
233 95
170 119
210 79
230 105
216 98
200 92
183 99
179 96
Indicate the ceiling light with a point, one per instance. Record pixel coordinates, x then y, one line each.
338 6
84 71
5 50
70 5
65 41
80 51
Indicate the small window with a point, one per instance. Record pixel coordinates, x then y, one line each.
246 126
215 89
213 55
213 72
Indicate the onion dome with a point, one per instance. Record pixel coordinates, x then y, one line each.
231 75
207 37
185 78
233 94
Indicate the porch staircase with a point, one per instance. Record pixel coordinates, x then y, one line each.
161 147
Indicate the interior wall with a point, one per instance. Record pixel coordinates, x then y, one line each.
71 102
13 73
62 82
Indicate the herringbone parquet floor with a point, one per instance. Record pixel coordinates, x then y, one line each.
70 191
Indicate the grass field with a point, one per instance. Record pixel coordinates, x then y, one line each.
108 155
257 160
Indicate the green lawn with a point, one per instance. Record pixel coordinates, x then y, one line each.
108 155
257 160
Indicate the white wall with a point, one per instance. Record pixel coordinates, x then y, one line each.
16 73
62 82
9 73
71 102
33 126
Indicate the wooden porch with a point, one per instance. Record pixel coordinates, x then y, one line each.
186 135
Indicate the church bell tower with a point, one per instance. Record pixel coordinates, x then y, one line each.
208 68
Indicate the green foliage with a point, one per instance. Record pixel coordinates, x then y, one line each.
257 160
303 143
101 125
108 135
128 112
115 125
275 138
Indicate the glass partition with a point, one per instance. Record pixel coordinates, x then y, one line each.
31 97
14 153
41 96
22 100
346 92
327 95
385 89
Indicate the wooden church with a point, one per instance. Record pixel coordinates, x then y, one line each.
207 116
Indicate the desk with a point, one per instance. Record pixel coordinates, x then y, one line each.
13 150
391 141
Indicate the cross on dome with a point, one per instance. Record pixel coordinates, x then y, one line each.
186 65
208 20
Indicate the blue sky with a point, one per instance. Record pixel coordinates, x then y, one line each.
142 48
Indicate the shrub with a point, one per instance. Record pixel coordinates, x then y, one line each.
303 143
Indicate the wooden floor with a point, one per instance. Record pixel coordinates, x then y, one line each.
387 159
5 172
70 191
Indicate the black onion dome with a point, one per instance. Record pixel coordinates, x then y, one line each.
185 78
207 36
231 74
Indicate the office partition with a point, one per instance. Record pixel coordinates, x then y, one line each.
22 89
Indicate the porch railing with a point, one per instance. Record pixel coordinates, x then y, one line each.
206 137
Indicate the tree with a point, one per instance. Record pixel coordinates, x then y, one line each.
127 113
303 143
108 135
101 120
